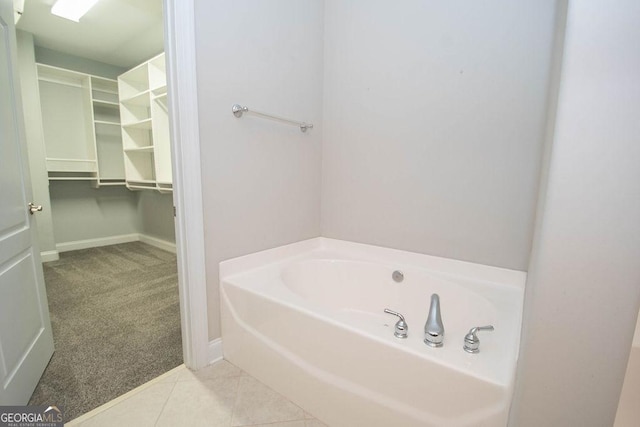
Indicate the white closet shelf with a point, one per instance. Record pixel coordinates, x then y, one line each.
66 159
103 83
108 104
146 149
106 122
160 97
141 184
159 91
142 181
141 124
104 90
141 98
76 175
51 74
111 181
145 126
73 178
59 165
165 187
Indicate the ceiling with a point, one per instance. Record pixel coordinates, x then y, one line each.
123 33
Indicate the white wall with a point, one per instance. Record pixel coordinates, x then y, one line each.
582 295
412 177
72 62
155 212
261 179
81 212
35 141
434 116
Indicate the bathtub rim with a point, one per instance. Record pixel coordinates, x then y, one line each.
446 267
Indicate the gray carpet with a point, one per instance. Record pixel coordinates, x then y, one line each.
116 324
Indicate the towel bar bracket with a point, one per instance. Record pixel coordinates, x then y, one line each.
238 109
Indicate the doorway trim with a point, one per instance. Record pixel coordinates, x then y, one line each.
187 179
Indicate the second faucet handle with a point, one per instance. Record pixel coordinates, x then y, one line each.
471 340
401 329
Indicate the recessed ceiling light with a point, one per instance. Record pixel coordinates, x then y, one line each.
72 9
18 8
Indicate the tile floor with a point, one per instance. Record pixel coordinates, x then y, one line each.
220 395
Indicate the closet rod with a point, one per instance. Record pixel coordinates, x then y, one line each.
238 110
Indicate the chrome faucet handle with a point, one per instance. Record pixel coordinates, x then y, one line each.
401 329
471 340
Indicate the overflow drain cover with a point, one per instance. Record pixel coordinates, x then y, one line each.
397 276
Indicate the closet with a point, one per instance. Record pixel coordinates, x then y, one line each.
81 125
145 126
107 152
106 131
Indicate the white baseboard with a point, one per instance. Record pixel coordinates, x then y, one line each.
106 241
94 243
47 256
158 243
215 350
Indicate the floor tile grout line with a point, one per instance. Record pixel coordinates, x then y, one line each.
235 400
121 399
275 422
245 373
164 405
238 378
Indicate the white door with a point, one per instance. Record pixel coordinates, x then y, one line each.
26 342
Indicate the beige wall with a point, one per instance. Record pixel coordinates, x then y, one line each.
434 119
582 295
260 178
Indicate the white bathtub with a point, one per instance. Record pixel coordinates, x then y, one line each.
307 319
